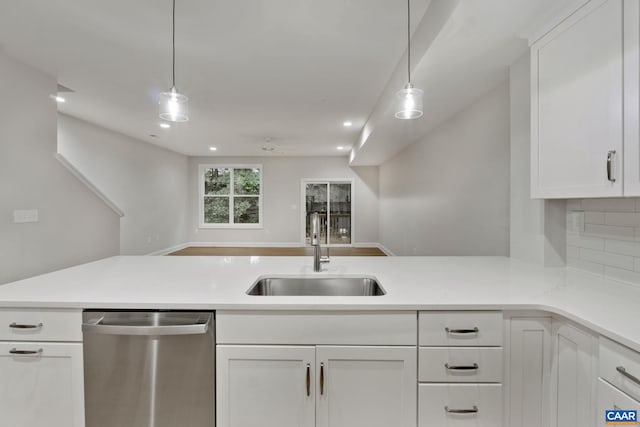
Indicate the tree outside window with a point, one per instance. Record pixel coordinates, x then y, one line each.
231 196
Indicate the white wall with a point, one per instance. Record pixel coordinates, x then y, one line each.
281 197
448 193
148 183
537 231
75 226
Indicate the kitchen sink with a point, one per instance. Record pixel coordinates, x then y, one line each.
317 286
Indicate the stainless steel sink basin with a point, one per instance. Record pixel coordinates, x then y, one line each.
317 286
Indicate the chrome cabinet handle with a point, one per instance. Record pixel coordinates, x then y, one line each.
321 379
16 351
308 380
475 330
462 411
624 372
473 367
610 155
15 325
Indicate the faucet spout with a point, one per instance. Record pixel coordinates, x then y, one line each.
318 259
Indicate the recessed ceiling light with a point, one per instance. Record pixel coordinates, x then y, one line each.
347 124
213 148
165 125
340 147
58 98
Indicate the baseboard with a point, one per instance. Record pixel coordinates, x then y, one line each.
167 251
246 244
384 249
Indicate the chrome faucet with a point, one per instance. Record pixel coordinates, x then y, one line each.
318 260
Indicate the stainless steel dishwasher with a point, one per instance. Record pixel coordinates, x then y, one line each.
149 369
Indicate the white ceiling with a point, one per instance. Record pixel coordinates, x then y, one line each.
286 70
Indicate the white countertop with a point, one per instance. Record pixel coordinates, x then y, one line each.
412 283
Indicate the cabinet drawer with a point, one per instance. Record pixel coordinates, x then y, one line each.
459 405
456 364
460 328
615 358
610 397
40 325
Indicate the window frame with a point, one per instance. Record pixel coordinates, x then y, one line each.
231 196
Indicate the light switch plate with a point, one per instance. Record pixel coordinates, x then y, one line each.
22 216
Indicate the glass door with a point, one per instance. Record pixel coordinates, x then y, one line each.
332 201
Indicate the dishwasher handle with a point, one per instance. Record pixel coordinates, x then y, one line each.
95 326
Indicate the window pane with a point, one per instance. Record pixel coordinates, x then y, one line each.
216 210
216 181
340 207
245 210
316 201
246 181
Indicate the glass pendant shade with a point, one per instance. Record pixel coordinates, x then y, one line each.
409 103
174 107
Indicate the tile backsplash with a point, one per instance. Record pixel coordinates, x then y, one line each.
608 242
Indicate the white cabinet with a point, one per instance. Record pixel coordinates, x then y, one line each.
265 386
365 386
41 382
324 386
279 369
584 96
529 370
460 368
573 374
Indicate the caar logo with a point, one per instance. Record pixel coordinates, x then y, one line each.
621 417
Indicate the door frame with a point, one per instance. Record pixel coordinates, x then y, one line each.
303 207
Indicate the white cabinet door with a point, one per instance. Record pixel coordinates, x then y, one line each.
573 373
41 384
265 386
366 386
610 398
577 105
529 371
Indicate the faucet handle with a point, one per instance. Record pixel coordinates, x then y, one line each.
325 259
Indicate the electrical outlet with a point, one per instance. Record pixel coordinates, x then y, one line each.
22 216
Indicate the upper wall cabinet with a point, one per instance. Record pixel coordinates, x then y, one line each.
584 104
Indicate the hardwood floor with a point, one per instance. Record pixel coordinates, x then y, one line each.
261 251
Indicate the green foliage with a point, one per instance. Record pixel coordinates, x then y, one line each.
246 181
216 210
216 181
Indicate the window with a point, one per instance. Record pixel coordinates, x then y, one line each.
332 200
230 196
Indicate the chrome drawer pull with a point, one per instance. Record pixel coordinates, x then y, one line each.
462 411
16 351
473 367
15 325
610 155
475 330
624 372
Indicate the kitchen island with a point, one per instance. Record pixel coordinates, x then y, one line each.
498 339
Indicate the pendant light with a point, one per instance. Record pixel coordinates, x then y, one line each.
174 106
409 99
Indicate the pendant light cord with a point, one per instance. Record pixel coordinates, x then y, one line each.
173 42
408 40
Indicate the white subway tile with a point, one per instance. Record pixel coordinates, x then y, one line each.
585 265
624 275
594 217
636 265
574 205
623 247
609 205
585 241
606 258
627 219
573 251
637 204
610 231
